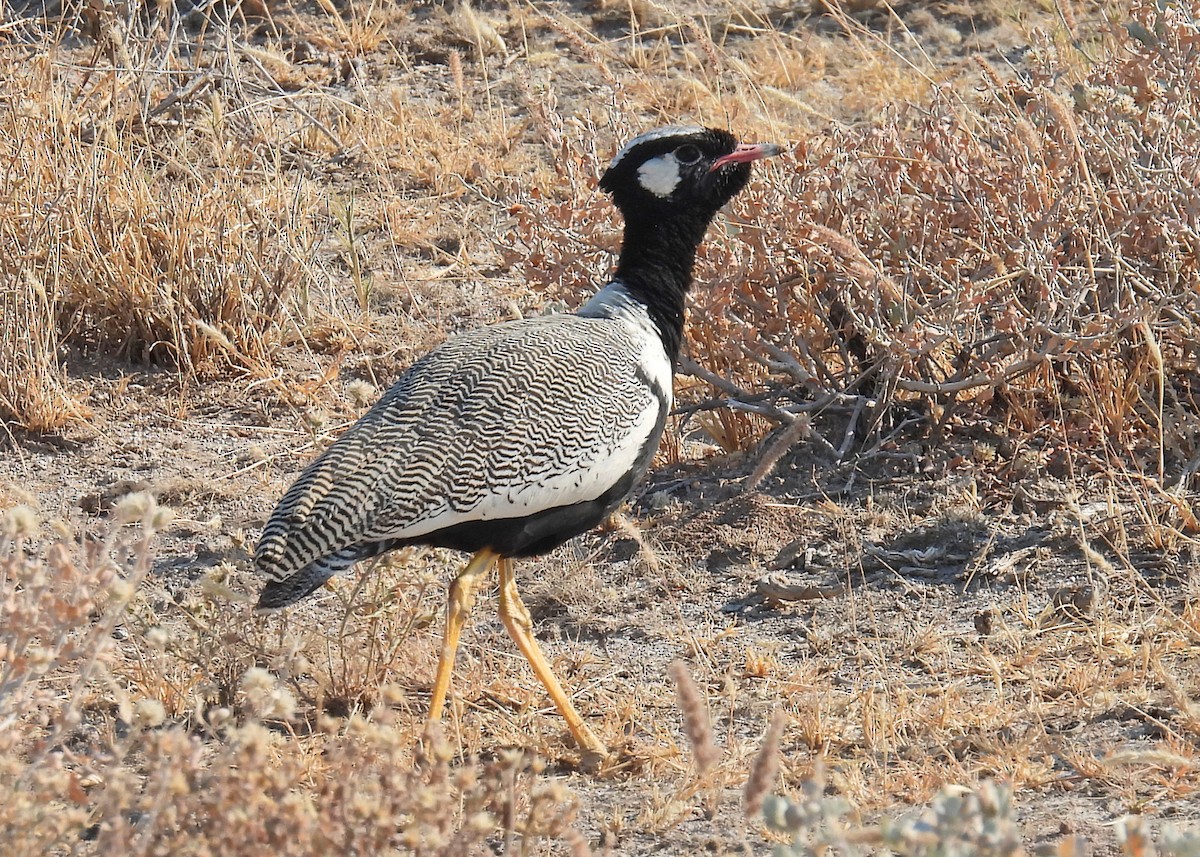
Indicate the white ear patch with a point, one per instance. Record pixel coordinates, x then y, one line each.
660 175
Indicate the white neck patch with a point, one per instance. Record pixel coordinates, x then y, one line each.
660 175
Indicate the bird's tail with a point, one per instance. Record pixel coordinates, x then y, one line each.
288 590
280 592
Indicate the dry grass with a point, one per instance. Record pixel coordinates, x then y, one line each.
116 739
34 392
105 755
139 255
1027 255
993 267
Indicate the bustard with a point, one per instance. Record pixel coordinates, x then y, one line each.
506 441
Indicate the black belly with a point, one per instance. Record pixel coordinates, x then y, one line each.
542 532
530 535
524 536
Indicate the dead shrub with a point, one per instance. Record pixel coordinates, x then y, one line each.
94 762
1032 260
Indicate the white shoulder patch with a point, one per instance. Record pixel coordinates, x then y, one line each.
660 175
614 301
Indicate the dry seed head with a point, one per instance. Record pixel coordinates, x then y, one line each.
478 30
213 585
214 335
511 758
1028 135
436 748
392 694
696 722
258 680
362 393
315 418
481 822
456 73
990 74
121 590
1068 15
22 497
149 713
554 791
138 506
1065 117
20 522
162 518
705 41
252 738
290 664
765 767
39 656
265 696
466 778
800 429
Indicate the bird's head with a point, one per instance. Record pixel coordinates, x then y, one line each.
692 168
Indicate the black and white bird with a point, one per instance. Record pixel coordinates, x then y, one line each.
508 440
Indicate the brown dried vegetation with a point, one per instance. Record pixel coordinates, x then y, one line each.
960 264
1027 255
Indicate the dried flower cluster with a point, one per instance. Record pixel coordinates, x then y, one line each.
959 822
93 765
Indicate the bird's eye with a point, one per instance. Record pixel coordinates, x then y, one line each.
687 154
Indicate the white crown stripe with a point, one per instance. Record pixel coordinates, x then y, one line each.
656 134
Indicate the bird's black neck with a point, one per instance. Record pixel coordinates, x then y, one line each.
656 263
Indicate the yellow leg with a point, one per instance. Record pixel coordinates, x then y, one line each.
515 616
458 606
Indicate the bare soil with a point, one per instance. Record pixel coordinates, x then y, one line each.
956 606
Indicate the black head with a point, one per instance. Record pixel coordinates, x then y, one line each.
693 168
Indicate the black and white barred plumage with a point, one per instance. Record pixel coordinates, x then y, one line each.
518 436
497 425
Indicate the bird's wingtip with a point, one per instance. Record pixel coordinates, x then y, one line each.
275 596
284 592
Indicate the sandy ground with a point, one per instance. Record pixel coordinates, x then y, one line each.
953 608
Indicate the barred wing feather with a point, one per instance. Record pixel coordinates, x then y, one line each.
501 422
